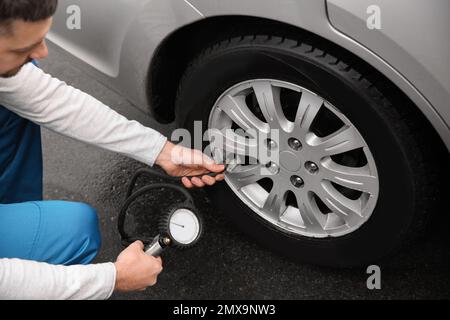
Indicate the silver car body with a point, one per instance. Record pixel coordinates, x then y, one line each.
118 39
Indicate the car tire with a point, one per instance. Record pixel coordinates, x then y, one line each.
406 177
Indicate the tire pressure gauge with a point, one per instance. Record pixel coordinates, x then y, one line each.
181 228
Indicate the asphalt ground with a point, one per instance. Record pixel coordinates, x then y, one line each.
226 264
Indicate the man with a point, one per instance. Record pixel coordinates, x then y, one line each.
46 246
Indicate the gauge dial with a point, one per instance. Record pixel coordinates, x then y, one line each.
184 226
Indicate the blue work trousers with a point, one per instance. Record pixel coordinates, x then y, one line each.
56 232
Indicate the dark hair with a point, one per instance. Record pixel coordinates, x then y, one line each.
27 10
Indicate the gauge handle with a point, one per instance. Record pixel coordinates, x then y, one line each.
156 247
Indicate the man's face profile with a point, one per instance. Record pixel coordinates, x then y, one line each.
20 42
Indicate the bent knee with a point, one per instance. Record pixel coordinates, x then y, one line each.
78 223
86 233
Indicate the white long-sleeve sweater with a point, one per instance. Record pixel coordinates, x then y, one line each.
37 96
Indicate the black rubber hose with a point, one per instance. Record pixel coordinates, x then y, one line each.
132 196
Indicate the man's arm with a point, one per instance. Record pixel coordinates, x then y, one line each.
133 270
29 280
49 102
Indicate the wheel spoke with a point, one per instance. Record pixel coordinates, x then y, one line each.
345 208
233 143
313 218
244 175
275 203
238 111
269 102
308 108
353 178
345 139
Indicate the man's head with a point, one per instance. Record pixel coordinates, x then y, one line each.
23 27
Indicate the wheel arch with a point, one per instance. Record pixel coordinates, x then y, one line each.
168 65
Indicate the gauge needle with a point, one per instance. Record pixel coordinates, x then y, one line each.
180 225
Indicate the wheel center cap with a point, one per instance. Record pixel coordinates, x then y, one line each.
289 161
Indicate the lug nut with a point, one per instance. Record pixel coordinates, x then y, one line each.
273 167
271 144
297 181
295 144
311 167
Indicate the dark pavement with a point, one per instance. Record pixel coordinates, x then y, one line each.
226 264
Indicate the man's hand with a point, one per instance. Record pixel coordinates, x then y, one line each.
136 270
179 161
